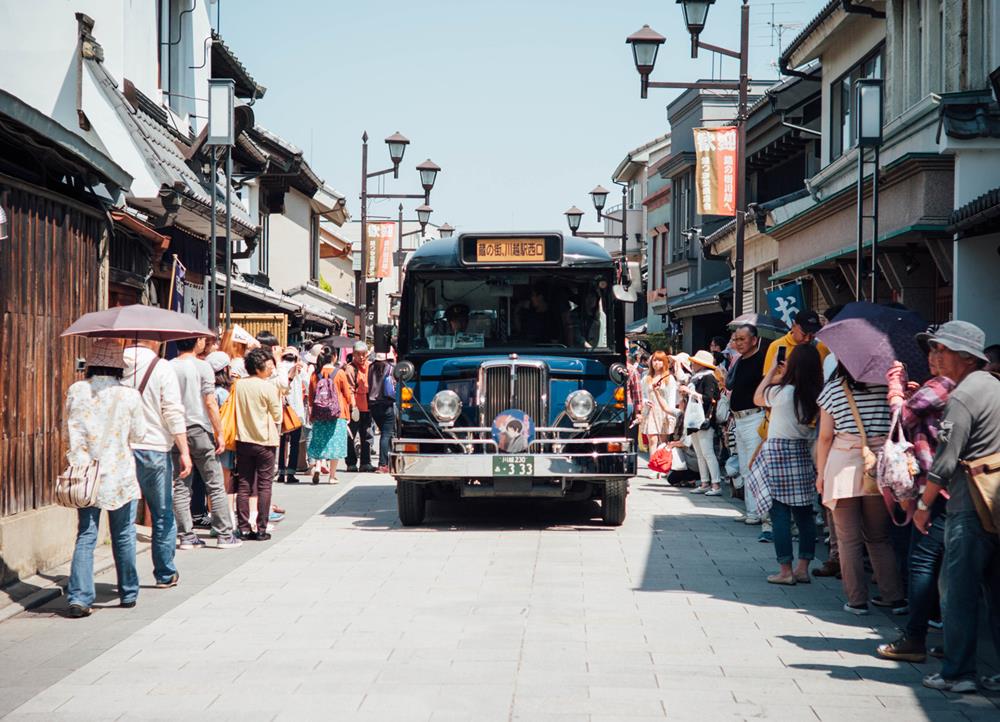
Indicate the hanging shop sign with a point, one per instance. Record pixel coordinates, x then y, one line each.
786 301
715 171
380 237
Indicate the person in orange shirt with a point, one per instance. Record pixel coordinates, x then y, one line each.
329 436
360 423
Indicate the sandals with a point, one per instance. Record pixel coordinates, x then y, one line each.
779 578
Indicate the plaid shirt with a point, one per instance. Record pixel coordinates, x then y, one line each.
921 419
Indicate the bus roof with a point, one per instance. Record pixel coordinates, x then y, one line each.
442 254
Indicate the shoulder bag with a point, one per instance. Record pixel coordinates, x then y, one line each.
870 478
290 420
79 484
984 485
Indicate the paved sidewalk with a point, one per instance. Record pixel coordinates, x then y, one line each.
500 611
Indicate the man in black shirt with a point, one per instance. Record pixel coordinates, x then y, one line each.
742 380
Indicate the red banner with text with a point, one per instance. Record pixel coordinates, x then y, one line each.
715 171
380 237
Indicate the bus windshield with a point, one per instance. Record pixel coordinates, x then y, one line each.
510 309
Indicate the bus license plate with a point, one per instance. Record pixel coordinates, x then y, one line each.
513 466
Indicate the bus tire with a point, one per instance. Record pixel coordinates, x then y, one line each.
411 501
613 504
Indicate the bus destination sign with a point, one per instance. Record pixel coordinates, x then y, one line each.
510 250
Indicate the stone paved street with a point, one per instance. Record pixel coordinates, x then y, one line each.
490 612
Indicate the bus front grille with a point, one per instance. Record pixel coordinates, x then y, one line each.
513 385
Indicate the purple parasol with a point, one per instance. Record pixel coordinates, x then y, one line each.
147 323
867 338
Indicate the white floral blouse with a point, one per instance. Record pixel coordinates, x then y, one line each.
102 417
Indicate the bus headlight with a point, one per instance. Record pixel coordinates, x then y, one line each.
446 406
580 405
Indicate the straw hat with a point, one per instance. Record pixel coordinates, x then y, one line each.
704 358
683 359
107 353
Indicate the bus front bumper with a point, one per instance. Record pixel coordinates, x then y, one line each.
439 467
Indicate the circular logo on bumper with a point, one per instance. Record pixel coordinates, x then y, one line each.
513 430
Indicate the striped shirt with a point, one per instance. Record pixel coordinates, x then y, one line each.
873 408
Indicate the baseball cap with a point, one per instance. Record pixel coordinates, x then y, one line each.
808 321
218 360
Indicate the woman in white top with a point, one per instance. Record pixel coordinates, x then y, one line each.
783 476
659 401
101 419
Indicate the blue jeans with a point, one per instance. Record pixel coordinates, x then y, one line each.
781 520
384 416
926 557
155 472
971 567
81 576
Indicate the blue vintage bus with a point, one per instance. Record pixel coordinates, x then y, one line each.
511 380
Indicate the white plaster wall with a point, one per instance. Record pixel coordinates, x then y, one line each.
340 275
977 294
288 260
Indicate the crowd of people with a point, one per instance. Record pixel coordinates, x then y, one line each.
202 438
799 439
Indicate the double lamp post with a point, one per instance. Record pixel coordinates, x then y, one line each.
368 306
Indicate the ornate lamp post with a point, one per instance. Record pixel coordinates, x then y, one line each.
646 44
396 143
869 131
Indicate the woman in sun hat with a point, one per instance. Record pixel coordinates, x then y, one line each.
102 417
703 388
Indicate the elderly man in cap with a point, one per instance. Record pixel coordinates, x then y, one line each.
360 427
970 430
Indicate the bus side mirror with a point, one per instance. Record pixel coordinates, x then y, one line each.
628 295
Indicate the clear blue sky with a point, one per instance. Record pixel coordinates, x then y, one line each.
525 104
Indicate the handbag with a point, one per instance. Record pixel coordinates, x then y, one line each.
897 469
290 420
722 408
227 414
984 483
869 481
662 460
79 484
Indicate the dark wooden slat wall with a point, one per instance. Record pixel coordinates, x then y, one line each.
49 276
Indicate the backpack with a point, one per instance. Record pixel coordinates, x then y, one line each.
897 468
326 402
389 386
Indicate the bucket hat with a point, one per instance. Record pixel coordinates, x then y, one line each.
959 336
106 352
704 358
218 360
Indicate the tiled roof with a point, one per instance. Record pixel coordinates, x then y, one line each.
225 64
985 208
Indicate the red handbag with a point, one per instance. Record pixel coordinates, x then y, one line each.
661 460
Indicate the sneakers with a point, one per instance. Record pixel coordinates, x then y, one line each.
291 479
713 492
202 522
230 541
751 520
935 624
172 582
903 649
261 536
766 537
351 469
740 518
700 490
990 683
936 681
276 516
78 611
829 569
367 469
900 606
189 541
860 611
127 605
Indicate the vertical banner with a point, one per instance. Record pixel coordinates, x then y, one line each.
380 238
715 171
175 299
786 301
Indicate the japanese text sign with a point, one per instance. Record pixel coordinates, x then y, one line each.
715 171
379 261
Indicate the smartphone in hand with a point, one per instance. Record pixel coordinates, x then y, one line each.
781 355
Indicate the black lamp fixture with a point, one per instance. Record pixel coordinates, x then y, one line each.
645 44
445 231
397 143
424 216
695 15
600 196
573 217
428 173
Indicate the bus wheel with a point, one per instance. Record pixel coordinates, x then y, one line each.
411 501
613 505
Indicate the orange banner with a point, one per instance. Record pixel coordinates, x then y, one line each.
380 239
715 171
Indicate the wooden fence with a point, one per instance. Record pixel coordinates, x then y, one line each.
276 323
49 276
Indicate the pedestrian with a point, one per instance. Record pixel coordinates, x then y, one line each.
360 428
744 377
920 415
219 361
102 417
292 368
805 325
204 436
236 349
659 401
258 412
783 471
993 356
382 406
166 427
704 389
333 404
854 416
969 432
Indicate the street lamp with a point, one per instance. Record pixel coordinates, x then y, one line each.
573 217
645 45
695 15
445 231
221 132
868 102
600 197
367 308
424 216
